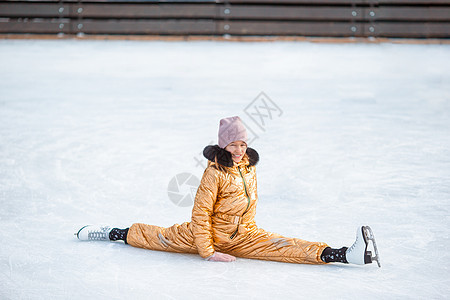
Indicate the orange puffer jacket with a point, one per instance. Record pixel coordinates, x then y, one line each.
225 204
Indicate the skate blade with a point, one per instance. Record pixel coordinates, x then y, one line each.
368 234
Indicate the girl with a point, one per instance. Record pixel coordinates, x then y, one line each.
222 225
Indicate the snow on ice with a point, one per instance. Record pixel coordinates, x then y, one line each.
94 131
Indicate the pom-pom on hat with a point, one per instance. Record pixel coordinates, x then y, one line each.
231 129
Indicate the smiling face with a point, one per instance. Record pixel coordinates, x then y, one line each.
237 150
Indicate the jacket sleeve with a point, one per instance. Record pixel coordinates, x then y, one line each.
203 209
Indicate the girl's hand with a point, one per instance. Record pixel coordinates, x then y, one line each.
218 256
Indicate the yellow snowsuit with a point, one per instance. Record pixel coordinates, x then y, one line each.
223 219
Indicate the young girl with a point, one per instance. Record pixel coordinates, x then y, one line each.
223 217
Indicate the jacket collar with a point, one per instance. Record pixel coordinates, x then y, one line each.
224 157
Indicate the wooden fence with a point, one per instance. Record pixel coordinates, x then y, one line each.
331 18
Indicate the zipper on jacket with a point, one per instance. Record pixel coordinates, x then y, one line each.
234 233
248 202
246 193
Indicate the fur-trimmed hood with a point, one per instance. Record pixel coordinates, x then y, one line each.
224 157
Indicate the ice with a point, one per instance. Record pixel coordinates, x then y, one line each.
93 132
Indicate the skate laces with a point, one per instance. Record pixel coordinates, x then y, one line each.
101 234
354 244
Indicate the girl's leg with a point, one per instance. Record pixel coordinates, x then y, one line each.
334 255
177 238
260 244
117 234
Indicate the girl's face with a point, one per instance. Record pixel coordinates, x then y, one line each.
237 150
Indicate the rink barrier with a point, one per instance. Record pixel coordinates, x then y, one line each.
322 18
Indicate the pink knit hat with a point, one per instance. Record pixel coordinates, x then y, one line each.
231 129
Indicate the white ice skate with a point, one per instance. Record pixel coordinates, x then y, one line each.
358 253
94 233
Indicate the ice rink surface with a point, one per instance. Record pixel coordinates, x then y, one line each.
93 132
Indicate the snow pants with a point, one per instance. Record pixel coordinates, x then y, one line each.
256 243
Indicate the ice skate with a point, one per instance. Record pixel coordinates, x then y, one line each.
358 253
94 233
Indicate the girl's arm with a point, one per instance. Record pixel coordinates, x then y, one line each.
203 209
